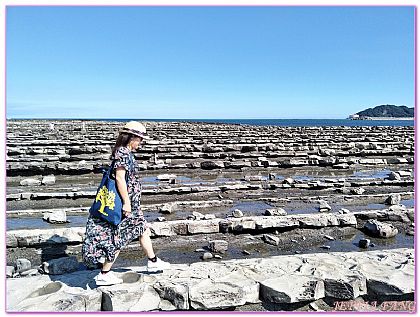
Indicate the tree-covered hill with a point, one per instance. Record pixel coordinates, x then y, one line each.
388 111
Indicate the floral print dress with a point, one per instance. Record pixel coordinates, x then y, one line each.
103 239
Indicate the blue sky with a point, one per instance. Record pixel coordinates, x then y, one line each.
207 62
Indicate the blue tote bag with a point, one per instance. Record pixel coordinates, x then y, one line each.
108 203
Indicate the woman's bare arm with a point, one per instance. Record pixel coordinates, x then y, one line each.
122 188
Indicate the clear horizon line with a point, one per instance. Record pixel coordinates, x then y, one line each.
145 119
92 118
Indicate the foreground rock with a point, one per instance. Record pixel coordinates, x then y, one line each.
133 295
225 284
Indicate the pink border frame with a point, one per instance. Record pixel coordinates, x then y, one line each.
222 5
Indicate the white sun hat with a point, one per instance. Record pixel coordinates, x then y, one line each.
135 128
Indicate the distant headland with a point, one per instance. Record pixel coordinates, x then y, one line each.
385 112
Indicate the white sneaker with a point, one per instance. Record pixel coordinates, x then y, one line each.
159 265
107 279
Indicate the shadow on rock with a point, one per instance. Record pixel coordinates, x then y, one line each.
283 306
61 267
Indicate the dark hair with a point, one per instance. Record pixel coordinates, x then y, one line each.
122 141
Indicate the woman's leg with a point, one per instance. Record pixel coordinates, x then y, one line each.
153 264
107 265
105 277
146 244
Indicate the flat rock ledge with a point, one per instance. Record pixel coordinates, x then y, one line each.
286 280
180 190
74 235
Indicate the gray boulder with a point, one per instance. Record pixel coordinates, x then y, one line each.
393 176
288 181
398 213
270 239
207 256
275 212
364 243
30 182
393 199
60 266
380 229
167 208
22 265
48 180
237 213
56 216
324 206
219 246
175 293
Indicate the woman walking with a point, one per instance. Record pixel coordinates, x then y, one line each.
103 240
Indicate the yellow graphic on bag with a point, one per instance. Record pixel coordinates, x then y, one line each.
107 199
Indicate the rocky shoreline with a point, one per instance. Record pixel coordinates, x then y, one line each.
217 196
